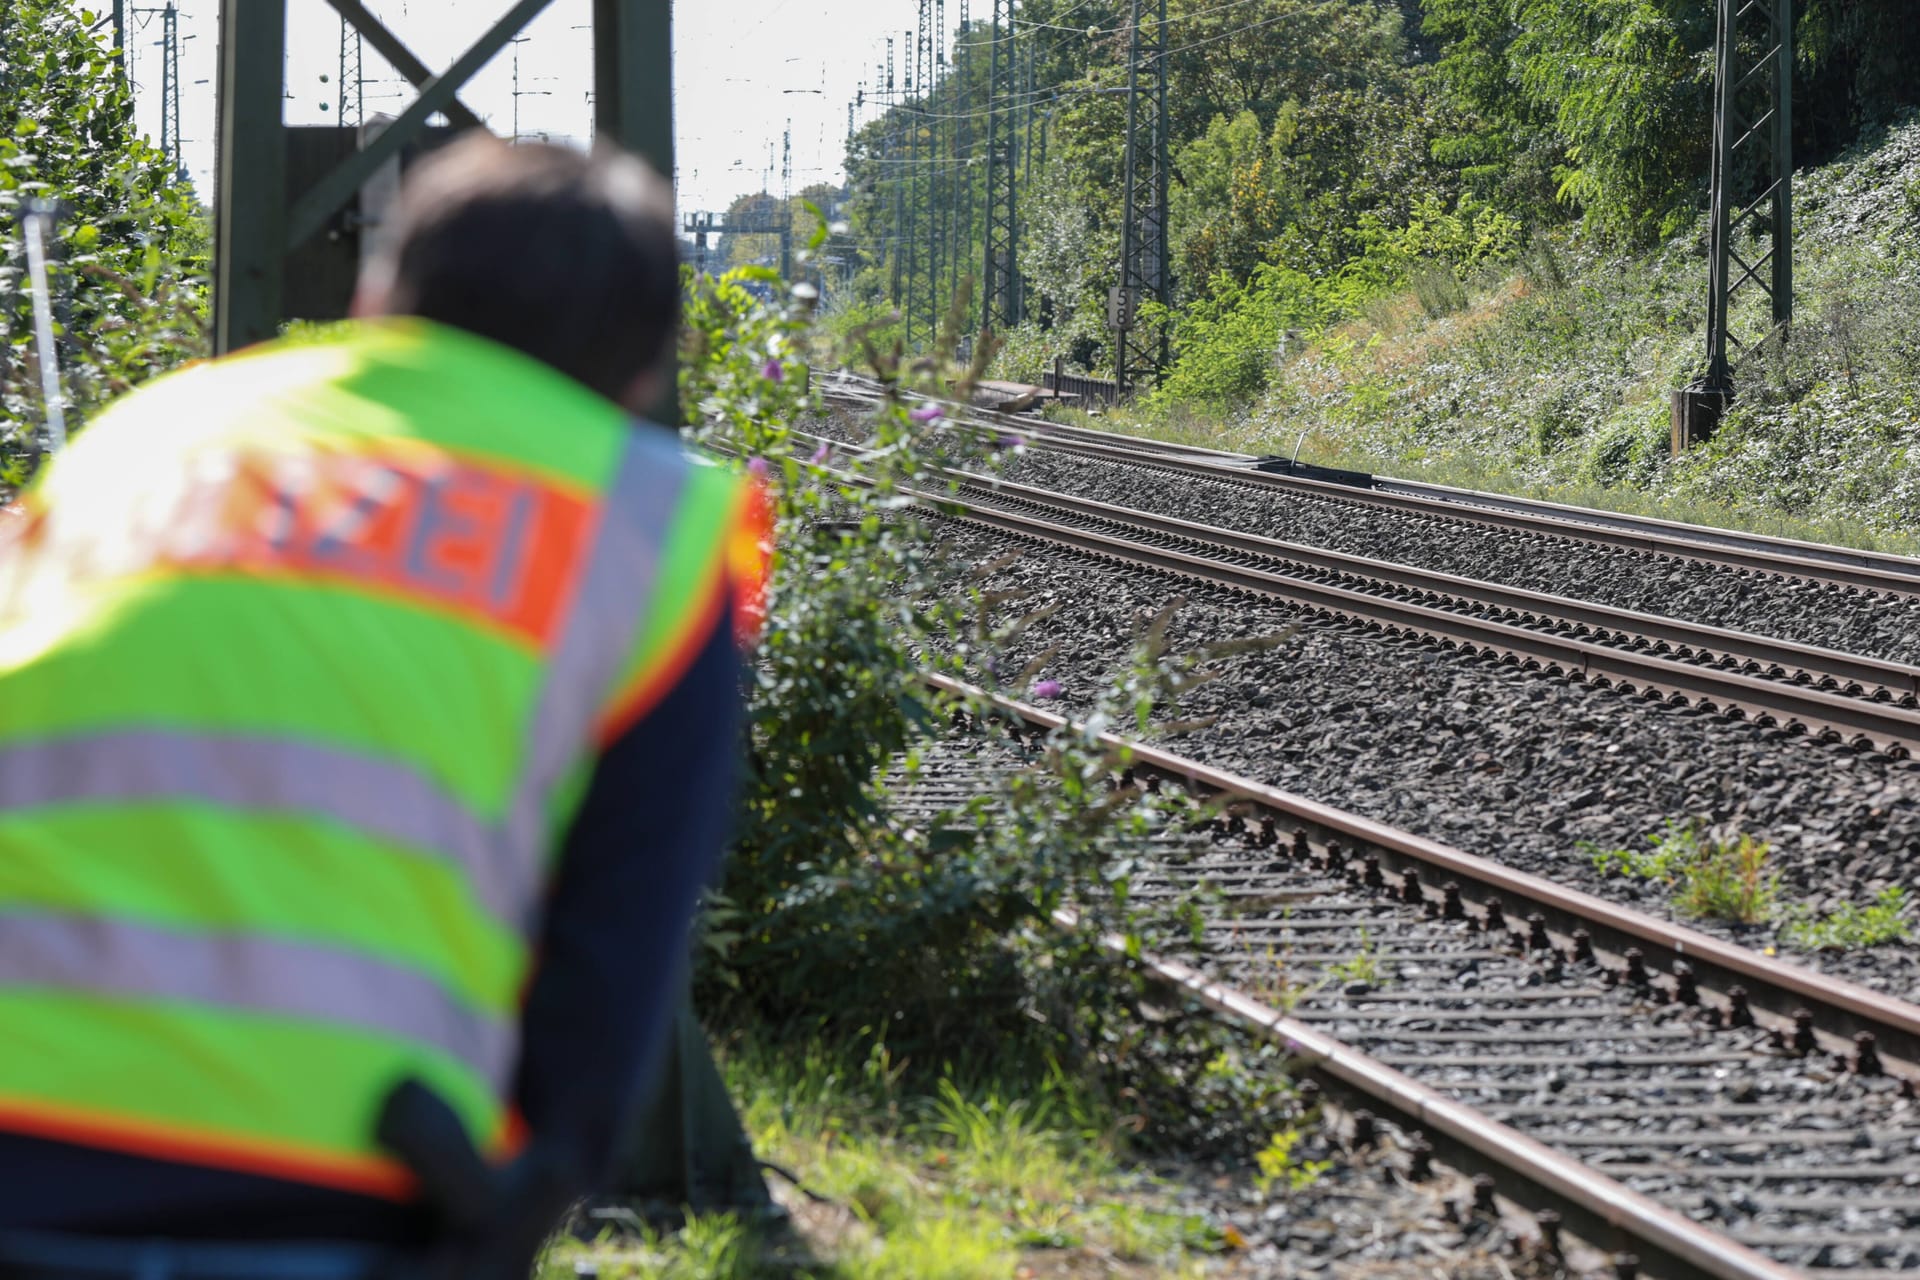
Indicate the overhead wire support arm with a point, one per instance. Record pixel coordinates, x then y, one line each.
312 210
257 225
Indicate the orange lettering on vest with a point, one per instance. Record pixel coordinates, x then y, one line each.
434 530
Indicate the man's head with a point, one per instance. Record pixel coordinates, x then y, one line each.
568 257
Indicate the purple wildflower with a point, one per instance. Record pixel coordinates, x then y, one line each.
757 468
928 413
821 454
1048 689
1012 441
772 370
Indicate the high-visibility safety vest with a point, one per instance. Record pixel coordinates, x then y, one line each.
305 658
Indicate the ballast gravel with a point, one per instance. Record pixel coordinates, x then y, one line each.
1533 771
1823 614
1654 1094
1363 1214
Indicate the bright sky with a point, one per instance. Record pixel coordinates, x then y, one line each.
743 69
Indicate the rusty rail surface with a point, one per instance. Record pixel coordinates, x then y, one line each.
1692 642
1806 1012
1780 557
1889 727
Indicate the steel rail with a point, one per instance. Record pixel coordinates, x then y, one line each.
1895 729
1890 728
1707 535
865 391
1666 1242
1775 992
1781 557
1708 642
1636 537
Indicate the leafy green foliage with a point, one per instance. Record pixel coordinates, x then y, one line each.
1630 94
834 695
132 247
1362 966
1888 918
1230 205
1554 380
1230 341
1280 1167
1325 139
844 916
1716 873
1606 104
986 1172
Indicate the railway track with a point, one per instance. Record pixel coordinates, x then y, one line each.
1708 1110
1755 553
1868 701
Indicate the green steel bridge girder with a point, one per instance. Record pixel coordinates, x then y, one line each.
258 221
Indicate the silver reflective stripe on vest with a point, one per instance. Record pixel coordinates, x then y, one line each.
249 973
600 633
383 799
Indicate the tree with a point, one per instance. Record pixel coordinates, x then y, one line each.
133 242
1230 204
1613 98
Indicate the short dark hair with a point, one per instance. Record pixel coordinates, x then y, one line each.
566 255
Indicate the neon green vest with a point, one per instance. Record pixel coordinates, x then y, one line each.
304 657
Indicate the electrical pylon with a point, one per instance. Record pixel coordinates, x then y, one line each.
786 202
170 87
1751 194
939 199
922 321
352 109
895 141
1000 277
1140 350
960 251
169 43
910 179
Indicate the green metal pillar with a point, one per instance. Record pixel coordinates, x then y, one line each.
251 189
687 1148
633 101
687 1151
633 77
258 223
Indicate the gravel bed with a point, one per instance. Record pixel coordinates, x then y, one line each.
1363 1215
1519 768
1718 1124
1834 617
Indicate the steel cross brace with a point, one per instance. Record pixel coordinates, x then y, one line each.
388 46
312 210
255 225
